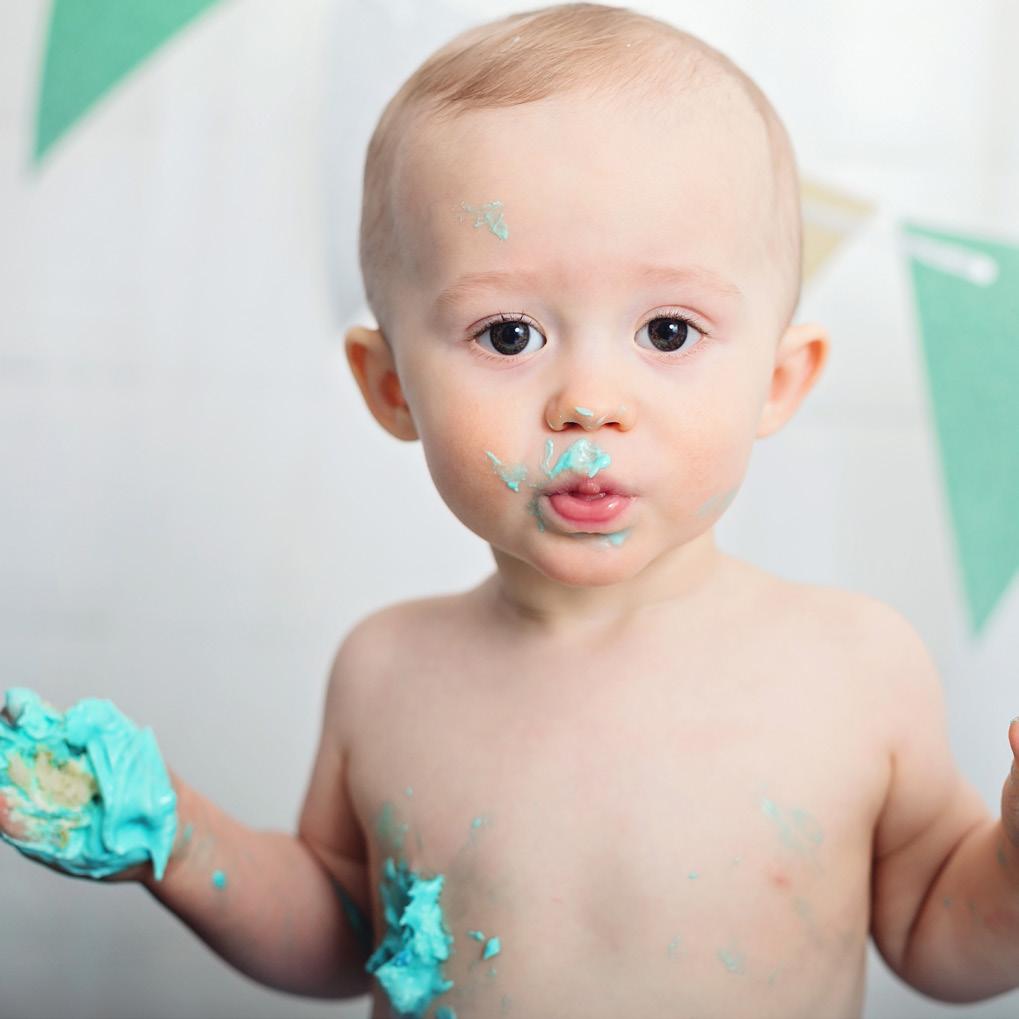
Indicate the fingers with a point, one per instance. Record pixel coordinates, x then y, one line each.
8 825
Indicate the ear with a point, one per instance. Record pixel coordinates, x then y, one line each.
801 354
371 360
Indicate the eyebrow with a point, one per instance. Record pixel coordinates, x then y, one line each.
693 275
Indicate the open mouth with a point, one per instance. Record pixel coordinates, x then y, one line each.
579 505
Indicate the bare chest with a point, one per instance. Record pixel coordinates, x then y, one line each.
657 831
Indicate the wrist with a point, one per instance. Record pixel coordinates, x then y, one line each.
181 839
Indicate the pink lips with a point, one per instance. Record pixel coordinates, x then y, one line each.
589 501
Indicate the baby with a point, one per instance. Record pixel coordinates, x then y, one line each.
627 774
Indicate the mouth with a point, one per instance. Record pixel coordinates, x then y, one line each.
588 488
588 501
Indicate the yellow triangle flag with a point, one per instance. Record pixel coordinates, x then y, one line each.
830 218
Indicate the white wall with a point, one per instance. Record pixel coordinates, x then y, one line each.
194 499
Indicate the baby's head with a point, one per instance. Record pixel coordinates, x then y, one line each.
581 223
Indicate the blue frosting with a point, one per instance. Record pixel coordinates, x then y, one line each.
511 475
582 456
489 214
89 788
408 960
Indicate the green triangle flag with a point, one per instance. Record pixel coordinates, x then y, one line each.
91 45
967 298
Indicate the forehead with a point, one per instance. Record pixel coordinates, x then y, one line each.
587 187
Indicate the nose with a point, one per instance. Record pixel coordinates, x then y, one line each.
562 412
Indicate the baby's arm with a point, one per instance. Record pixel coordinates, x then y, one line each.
293 912
278 916
286 910
946 877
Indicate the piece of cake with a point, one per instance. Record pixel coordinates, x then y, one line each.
87 789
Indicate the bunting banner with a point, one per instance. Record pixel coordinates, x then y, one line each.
966 292
830 218
90 46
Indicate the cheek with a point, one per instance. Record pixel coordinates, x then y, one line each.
713 439
456 431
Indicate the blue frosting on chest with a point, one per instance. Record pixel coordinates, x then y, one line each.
408 960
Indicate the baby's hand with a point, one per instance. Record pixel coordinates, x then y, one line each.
8 825
11 827
1010 792
86 793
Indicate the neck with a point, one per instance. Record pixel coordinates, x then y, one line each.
554 609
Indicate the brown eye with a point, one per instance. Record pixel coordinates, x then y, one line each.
669 333
508 337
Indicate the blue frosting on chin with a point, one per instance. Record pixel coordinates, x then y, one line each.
89 788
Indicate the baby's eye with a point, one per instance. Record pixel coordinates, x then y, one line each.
510 336
670 332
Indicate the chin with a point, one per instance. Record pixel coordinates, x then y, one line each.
589 560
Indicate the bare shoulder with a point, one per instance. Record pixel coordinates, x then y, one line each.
409 620
851 619
395 636
854 635
884 643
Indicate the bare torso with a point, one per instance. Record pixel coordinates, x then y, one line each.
675 822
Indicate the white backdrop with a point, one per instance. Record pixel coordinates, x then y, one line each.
196 506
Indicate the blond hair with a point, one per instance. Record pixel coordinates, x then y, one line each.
531 55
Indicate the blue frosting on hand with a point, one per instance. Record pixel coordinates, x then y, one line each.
88 787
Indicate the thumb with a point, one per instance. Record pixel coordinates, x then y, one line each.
13 822
1010 791
8 825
